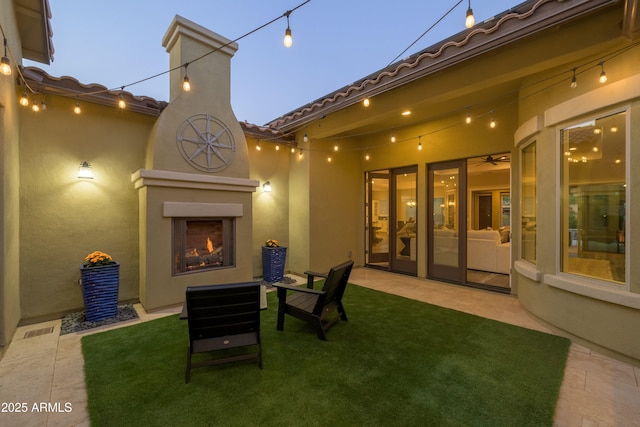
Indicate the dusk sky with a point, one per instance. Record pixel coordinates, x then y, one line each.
335 42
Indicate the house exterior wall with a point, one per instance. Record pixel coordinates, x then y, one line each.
63 218
10 313
601 315
270 210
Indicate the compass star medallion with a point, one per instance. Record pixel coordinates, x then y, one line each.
206 143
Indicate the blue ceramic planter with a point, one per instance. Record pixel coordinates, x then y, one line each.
273 260
100 291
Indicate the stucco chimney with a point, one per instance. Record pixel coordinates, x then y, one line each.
208 55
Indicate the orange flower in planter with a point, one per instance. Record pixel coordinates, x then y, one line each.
98 258
272 243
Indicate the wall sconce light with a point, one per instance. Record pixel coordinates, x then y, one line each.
85 171
266 187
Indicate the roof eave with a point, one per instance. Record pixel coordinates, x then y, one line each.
522 21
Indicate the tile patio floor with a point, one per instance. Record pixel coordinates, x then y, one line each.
596 391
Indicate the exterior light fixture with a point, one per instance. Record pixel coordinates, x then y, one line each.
277 147
470 21
5 64
305 138
293 150
288 40
24 99
393 137
574 81
266 187
468 119
186 85
419 143
366 102
603 75
335 147
492 123
85 171
35 107
77 109
366 156
258 147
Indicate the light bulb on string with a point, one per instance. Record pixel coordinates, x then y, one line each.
574 80
468 118
277 147
366 102
5 63
121 103
419 143
335 147
492 123
366 156
393 137
603 75
35 107
470 21
258 147
77 109
186 84
288 39
24 99
305 138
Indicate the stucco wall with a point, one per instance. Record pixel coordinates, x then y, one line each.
9 196
64 218
270 210
600 314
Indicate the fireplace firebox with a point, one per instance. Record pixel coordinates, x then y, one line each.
203 244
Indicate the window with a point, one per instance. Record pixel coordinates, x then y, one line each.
202 244
528 192
593 195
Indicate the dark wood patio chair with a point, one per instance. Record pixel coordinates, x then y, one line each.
317 307
223 317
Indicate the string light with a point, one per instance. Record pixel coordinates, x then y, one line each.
574 81
492 124
470 21
366 156
419 143
329 158
77 109
335 147
366 102
288 40
305 138
393 137
5 64
468 119
277 147
121 102
258 146
24 99
300 154
35 107
293 150
603 75
186 85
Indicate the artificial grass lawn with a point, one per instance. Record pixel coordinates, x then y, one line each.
395 362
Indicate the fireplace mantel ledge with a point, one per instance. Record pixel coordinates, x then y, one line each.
159 178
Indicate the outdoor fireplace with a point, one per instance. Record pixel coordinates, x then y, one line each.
202 244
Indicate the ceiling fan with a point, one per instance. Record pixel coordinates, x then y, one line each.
496 160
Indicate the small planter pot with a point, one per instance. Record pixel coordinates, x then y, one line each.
100 291
273 260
